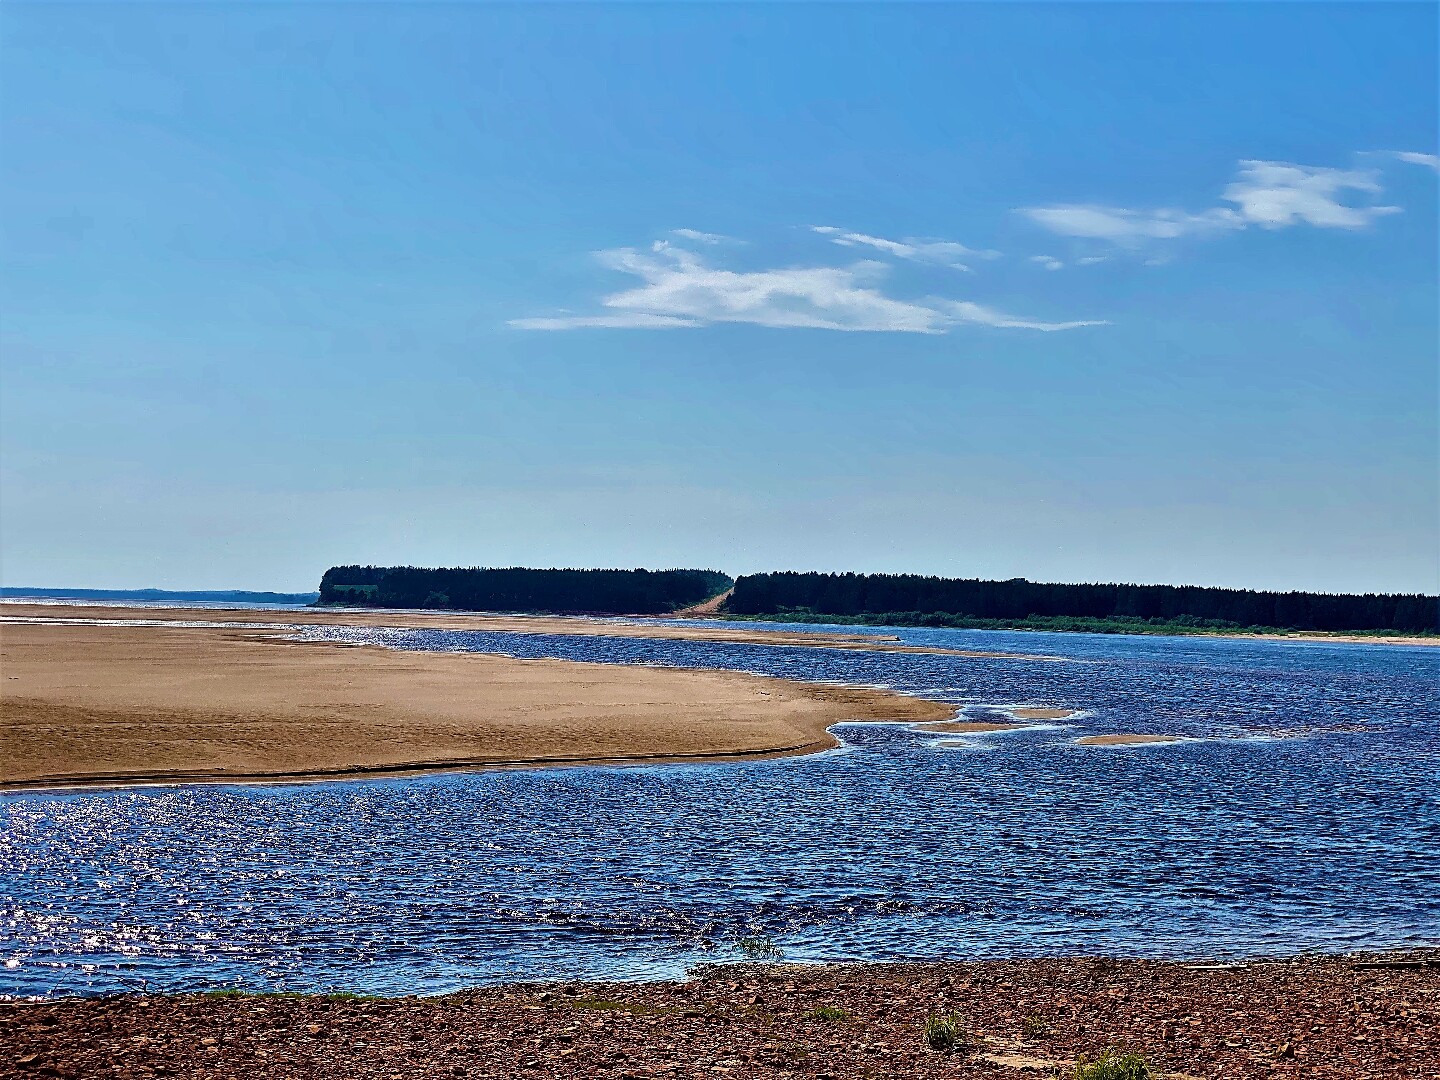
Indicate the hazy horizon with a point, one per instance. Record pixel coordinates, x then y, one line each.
733 574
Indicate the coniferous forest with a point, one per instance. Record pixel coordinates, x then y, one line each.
901 599
881 599
611 592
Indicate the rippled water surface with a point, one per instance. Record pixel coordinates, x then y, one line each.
1300 814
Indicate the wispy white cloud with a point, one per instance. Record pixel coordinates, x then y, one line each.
1431 161
965 311
678 289
1268 194
699 237
1049 262
630 320
1119 225
916 249
1276 194
1091 260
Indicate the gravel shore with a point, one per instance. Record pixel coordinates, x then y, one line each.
1352 1017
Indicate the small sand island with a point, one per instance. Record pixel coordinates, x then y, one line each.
87 704
1042 714
1125 740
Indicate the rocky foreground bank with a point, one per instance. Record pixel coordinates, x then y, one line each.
1333 1017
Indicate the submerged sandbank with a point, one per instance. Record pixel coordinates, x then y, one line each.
510 624
110 705
966 727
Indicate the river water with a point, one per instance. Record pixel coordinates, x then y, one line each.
1300 813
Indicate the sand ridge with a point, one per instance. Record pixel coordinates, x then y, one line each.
86 704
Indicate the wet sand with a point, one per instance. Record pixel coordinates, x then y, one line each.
1125 740
83 704
510 624
1346 1018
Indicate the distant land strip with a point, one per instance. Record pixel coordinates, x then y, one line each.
907 599
885 600
162 596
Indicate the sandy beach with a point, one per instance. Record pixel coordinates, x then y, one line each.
84 704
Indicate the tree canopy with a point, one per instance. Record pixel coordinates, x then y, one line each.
1017 598
609 592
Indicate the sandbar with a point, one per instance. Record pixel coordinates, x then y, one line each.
572 625
84 704
1125 740
1041 714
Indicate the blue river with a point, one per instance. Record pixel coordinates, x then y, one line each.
1299 813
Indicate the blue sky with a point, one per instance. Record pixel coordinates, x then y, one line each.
1068 292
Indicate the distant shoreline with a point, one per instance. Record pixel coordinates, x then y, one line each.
456 618
1109 627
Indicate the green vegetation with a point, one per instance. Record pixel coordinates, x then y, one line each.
947 1033
1034 1027
608 592
829 1012
759 947
911 600
1110 1066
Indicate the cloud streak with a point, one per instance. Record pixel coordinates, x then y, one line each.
1430 161
1265 194
679 290
699 237
914 249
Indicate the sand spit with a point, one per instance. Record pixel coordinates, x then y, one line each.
510 624
1369 1018
83 705
1125 740
1042 714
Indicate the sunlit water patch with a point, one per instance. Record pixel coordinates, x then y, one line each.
1300 813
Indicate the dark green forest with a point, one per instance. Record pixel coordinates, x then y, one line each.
909 599
610 592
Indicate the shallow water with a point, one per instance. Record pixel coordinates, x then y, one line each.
1301 813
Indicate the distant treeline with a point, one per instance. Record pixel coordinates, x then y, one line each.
912 599
612 592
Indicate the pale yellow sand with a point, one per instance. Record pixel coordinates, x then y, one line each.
85 704
1125 740
1042 714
